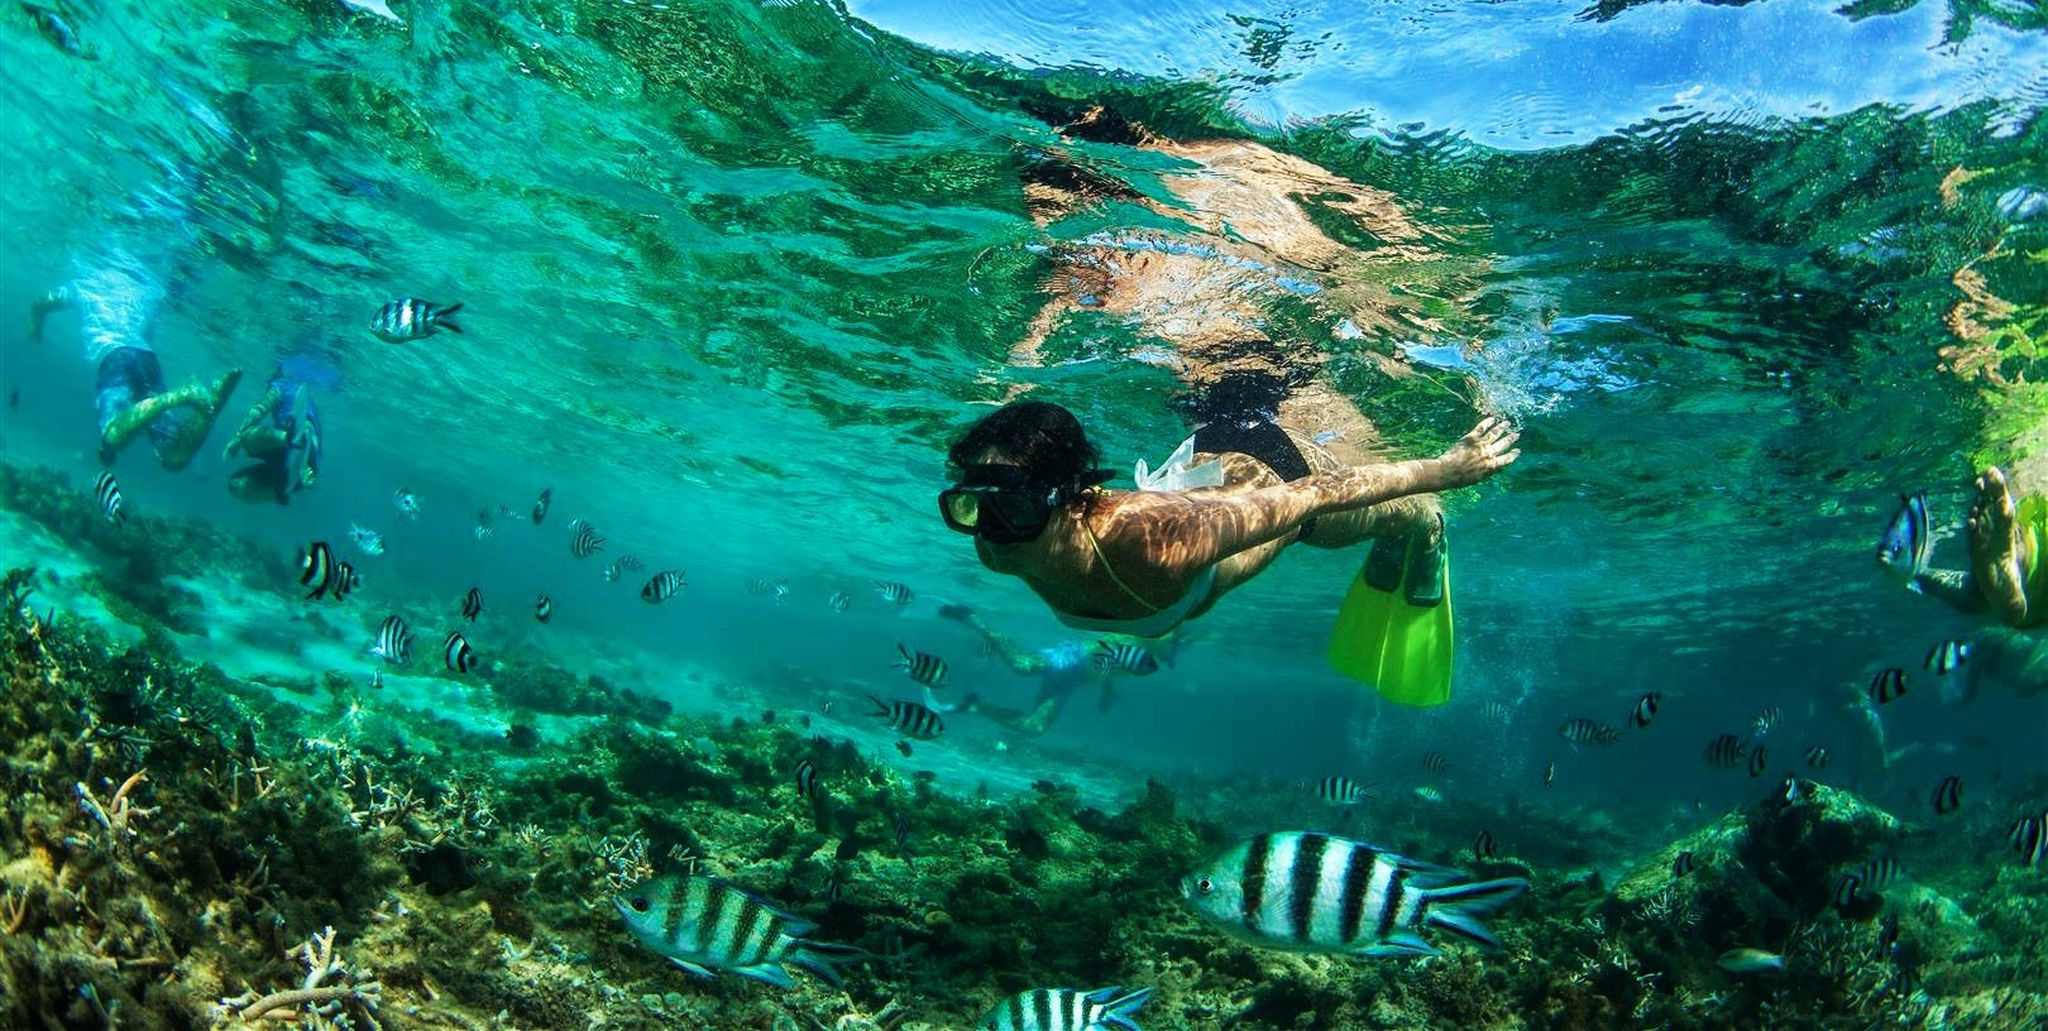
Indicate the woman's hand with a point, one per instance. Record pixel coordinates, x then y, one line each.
1488 449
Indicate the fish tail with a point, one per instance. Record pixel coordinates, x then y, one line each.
441 318
1457 909
820 957
881 707
1117 1009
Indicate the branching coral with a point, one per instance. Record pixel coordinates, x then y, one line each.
330 994
117 817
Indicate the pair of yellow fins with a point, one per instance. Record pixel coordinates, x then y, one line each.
1394 629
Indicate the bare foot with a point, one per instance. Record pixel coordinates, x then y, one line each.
1997 561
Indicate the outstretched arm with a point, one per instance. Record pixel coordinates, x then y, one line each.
1195 530
1020 661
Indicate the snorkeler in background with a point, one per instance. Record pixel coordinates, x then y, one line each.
1061 670
116 299
282 433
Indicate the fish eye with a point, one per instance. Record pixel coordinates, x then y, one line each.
1205 886
639 904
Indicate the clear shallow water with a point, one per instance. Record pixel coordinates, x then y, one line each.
735 275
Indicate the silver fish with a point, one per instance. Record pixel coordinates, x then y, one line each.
1065 1009
662 586
1342 790
1317 893
703 925
108 494
410 318
394 641
1908 541
926 669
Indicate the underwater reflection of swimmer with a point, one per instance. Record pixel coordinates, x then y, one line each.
1061 670
282 433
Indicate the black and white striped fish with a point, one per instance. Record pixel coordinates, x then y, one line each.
1888 685
895 593
1817 757
840 601
457 653
2028 836
1948 795
1758 760
1126 657
1767 720
410 318
1550 773
1495 712
1645 710
544 608
586 543
704 925
662 586
108 494
1435 763
929 670
324 575
1339 789
1066 1009
806 777
778 588
1683 863
1946 657
1908 541
472 604
1867 879
1483 847
625 564
394 641
911 719
1582 731
1725 750
484 528
1316 893
540 504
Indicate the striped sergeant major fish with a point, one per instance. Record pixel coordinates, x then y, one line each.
1888 685
1311 892
457 653
324 575
1645 710
586 542
1948 795
108 494
473 604
1135 659
926 669
1342 790
1582 731
1724 751
895 593
1767 720
1908 541
1483 847
662 586
394 641
1946 657
1435 763
484 528
540 504
1870 877
912 719
1758 760
410 318
703 925
778 589
1066 1009
1817 757
840 601
544 608
2028 837
806 777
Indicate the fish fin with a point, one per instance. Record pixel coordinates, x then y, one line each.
694 968
1457 909
1403 943
1118 1005
819 957
772 973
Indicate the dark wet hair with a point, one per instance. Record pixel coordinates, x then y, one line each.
1042 437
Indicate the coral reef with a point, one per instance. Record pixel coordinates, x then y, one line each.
183 848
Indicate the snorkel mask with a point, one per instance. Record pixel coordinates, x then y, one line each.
1004 504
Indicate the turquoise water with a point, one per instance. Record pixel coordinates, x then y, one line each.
734 275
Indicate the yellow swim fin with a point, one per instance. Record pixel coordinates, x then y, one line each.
1394 629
